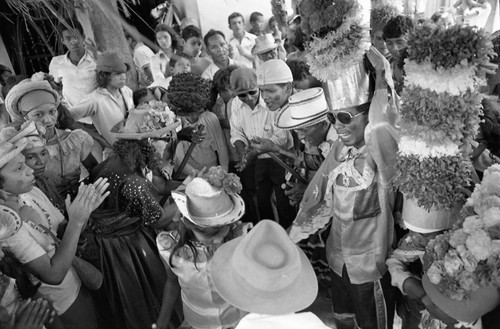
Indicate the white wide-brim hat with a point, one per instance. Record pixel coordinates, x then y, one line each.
305 108
264 272
206 206
305 320
264 43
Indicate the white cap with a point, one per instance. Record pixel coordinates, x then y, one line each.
272 72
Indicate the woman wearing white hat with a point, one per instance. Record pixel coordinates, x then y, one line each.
34 242
70 151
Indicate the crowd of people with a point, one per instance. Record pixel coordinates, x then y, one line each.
230 189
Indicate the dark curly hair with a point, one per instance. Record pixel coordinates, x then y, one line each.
397 26
137 154
299 68
188 93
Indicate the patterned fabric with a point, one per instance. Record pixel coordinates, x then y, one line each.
75 148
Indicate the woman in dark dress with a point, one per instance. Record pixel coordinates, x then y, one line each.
123 229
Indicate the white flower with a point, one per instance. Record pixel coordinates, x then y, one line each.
38 76
454 81
434 273
409 145
472 224
491 216
479 244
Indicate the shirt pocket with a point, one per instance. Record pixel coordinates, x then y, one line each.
366 203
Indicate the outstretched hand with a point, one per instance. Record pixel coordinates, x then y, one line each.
89 197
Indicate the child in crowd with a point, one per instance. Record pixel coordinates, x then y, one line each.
222 109
302 78
191 46
177 65
257 22
211 209
405 267
395 34
189 96
142 95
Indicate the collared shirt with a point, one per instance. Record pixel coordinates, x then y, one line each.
159 65
213 68
77 80
247 124
247 43
104 110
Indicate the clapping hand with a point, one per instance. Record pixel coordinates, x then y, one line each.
33 314
89 197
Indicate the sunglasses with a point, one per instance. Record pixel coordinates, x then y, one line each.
344 117
248 93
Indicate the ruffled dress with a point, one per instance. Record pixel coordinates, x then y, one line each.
133 273
66 158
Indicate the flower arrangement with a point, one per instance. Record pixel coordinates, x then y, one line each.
467 257
340 35
220 178
159 116
441 105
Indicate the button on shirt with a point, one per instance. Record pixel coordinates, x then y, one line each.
247 124
247 44
78 80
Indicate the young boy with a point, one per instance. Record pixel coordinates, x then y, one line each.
395 34
241 41
191 46
177 65
257 22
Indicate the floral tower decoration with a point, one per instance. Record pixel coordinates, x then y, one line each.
339 35
461 266
440 112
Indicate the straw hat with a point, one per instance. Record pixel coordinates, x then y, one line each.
207 206
264 43
264 272
10 222
20 90
306 320
12 141
304 109
144 123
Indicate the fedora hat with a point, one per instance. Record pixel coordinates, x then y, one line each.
208 206
264 272
264 43
10 222
111 62
304 109
146 123
13 142
23 88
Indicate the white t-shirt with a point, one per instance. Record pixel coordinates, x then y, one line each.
28 244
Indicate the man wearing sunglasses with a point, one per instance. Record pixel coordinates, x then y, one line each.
353 190
251 119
